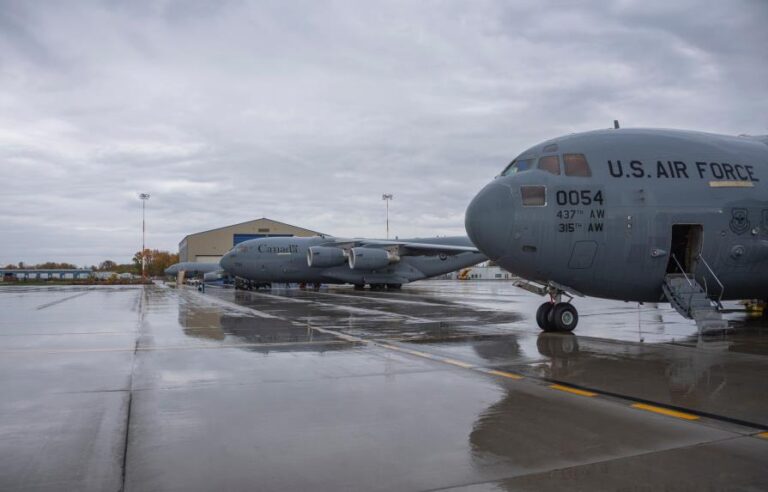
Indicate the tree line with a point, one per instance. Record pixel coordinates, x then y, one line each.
157 262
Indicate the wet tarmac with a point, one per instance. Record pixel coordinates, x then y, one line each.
441 386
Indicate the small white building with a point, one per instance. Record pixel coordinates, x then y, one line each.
482 273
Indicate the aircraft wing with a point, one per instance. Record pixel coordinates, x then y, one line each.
405 247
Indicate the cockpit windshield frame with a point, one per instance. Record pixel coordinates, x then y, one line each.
518 165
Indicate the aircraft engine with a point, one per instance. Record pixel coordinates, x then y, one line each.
214 276
324 256
370 258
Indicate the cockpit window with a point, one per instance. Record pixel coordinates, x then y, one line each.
534 196
517 166
576 165
550 163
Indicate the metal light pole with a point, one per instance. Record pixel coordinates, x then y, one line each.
387 197
143 197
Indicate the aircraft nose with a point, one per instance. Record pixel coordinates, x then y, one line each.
227 262
489 220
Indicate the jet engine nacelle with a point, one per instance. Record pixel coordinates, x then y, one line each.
324 256
214 276
370 258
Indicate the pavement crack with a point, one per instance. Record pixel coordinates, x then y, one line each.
59 301
127 432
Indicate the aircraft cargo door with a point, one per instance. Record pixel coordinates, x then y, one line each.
685 248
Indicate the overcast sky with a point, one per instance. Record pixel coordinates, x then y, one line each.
306 112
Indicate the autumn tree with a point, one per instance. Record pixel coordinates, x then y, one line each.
157 261
52 265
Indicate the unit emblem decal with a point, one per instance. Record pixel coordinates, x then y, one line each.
739 220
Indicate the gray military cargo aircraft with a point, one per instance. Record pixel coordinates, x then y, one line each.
634 215
323 259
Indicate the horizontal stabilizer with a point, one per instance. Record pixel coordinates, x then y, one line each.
192 267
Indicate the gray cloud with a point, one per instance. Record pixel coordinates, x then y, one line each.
307 111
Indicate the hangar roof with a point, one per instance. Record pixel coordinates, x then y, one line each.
263 220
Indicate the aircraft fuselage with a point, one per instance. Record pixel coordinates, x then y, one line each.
284 259
610 231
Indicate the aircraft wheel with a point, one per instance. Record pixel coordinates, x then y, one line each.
564 317
394 286
377 286
359 286
542 316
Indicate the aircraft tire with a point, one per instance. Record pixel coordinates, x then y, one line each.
543 316
377 286
564 317
394 286
359 286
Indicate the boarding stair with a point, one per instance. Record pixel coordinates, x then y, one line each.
693 301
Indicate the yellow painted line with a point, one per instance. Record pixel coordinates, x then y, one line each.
665 411
420 354
458 363
763 435
453 362
391 347
575 391
505 374
425 355
731 184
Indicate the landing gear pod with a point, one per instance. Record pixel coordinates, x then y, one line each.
370 258
324 256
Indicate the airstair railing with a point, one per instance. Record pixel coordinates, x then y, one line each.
711 272
682 270
690 283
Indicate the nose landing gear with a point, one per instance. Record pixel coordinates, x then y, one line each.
556 315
